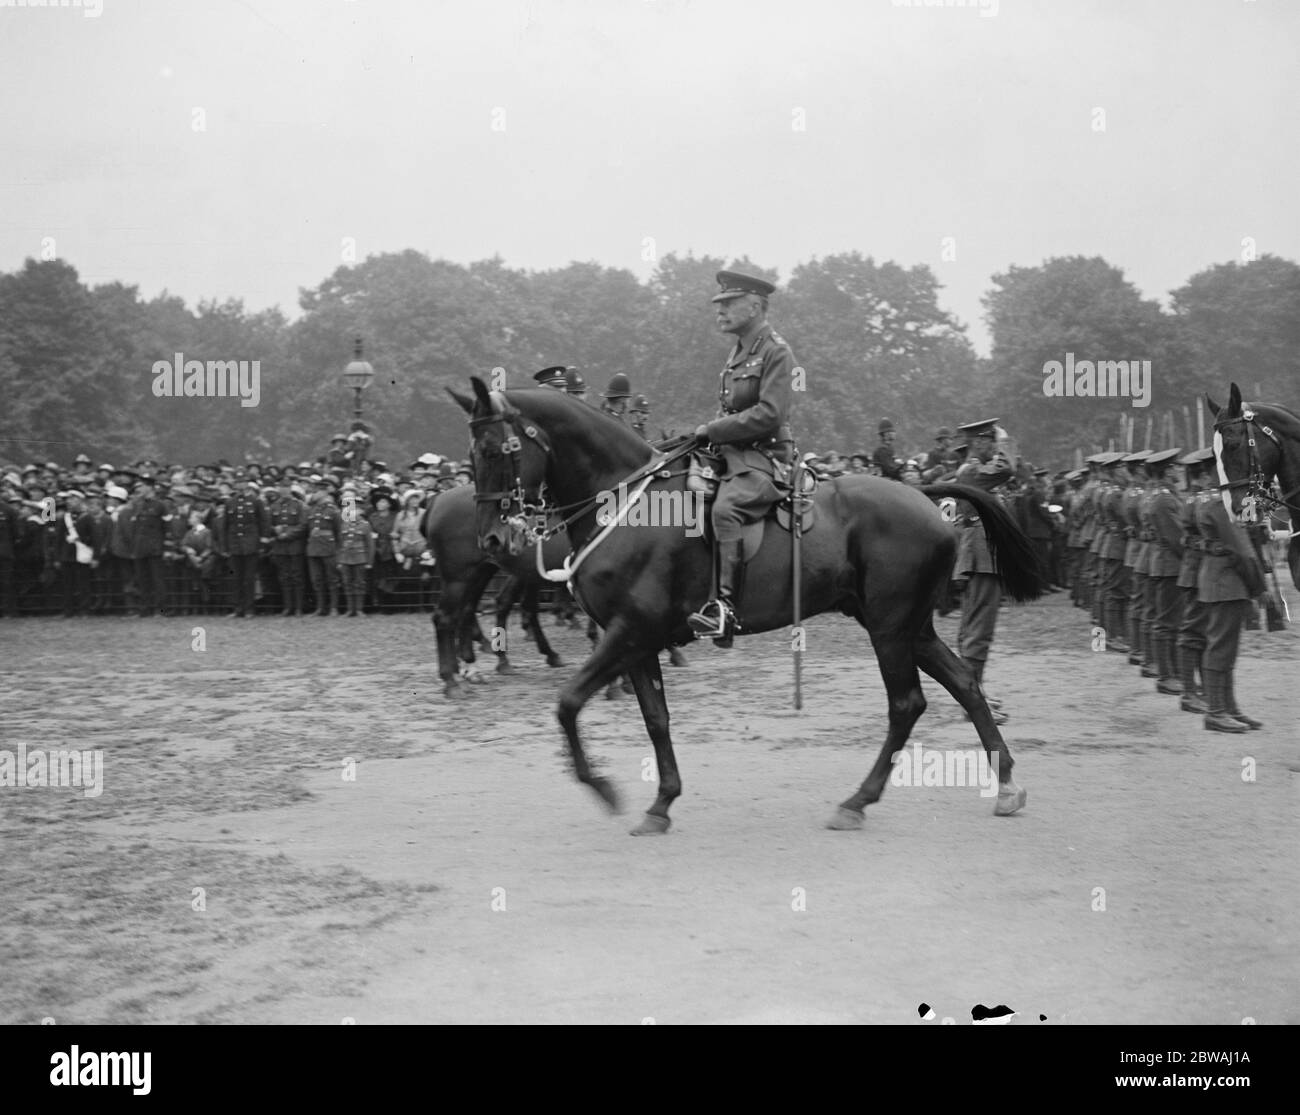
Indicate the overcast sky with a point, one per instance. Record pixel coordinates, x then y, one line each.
558 130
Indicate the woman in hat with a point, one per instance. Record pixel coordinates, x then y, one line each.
382 521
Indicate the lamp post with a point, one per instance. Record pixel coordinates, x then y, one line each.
358 375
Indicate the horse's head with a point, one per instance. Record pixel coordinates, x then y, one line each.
509 454
1246 451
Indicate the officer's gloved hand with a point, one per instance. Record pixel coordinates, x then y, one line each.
702 435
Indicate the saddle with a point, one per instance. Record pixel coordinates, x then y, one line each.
703 478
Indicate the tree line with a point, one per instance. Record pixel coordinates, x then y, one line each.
76 361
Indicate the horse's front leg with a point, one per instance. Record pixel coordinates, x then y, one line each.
649 683
613 655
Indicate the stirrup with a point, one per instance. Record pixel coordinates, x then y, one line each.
714 621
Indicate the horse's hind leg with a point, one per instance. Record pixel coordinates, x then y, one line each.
952 672
906 703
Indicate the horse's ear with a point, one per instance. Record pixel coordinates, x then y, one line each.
481 393
462 400
1214 407
1234 400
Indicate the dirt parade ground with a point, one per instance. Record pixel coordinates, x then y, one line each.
295 826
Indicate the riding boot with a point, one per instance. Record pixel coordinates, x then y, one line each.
333 608
1133 636
1168 681
1189 662
731 586
298 592
1230 703
1216 700
1114 628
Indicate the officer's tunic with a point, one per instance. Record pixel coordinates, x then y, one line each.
979 613
289 540
1191 630
1164 522
1229 577
752 427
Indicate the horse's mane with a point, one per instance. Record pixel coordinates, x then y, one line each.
1276 408
544 402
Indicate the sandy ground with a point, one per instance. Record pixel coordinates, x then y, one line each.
231 871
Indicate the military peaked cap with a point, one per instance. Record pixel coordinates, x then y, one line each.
734 284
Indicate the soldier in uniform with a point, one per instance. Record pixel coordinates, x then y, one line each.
1114 543
1037 523
574 384
615 397
323 529
552 377
289 546
1134 549
753 435
245 526
1162 521
1191 627
890 466
986 468
1229 578
940 461
639 415
148 529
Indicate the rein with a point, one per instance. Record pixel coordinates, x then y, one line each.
538 521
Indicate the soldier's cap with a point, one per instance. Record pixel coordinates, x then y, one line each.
1074 474
465 470
986 427
860 455
943 431
574 384
1197 457
1041 471
1164 456
808 458
639 402
338 437
1137 458
81 459
620 387
1109 460
552 376
734 284
960 447
885 426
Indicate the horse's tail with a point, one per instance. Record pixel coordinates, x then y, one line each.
1018 568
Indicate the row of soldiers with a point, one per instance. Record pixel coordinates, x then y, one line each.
1168 575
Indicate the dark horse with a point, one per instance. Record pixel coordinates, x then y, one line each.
880 552
1253 444
464 572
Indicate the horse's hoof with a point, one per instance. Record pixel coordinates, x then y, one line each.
846 820
676 658
554 660
651 825
605 791
1010 802
504 667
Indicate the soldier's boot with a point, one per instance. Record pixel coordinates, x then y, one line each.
717 619
1168 681
1114 628
286 591
1216 700
1230 703
1150 652
1189 662
321 599
995 706
1133 636
334 609
298 591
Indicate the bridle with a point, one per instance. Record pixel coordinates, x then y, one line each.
528 517
1257 484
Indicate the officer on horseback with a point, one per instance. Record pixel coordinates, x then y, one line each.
752 434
